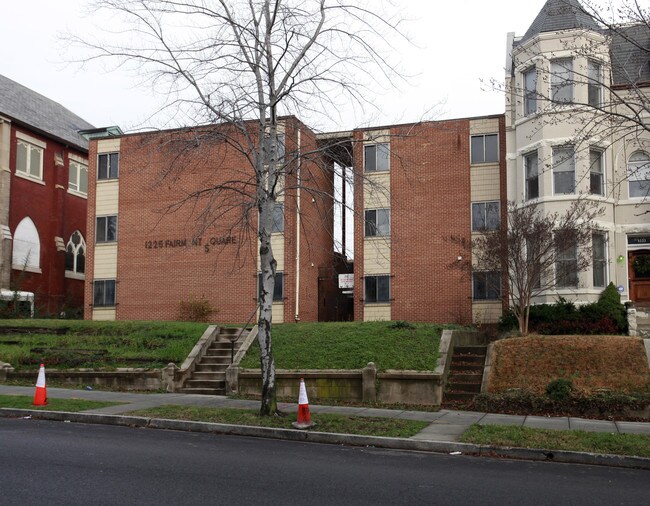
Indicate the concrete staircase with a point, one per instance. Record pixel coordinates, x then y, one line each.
209 376
643 322
465 375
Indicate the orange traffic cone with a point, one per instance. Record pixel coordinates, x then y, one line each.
40 396
304 419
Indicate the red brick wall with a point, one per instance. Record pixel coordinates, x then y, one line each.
316 225
54 212
430 201
157 171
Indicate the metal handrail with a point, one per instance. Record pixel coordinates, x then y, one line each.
233 341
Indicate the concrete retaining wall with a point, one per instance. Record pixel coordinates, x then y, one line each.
134 379
365 385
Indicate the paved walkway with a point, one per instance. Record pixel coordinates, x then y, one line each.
445 425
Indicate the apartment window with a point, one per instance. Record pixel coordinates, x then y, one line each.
594 84
376 289
106 229
564 171
375 157
278 289
377 222
26 252
104 293
29 160
486 285
75 254
596 173
484 148
562 80
599 258
78 177
532 176
638 169
108 165
278 219
530 91
566 266
485 216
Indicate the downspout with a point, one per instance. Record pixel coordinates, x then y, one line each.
298 177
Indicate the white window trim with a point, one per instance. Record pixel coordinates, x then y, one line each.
22 175
629 180
553 171
75 275
77 192
30 144
32 140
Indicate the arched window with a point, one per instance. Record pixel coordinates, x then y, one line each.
27 246
75 254
638 170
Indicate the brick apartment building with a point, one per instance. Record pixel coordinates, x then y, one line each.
418 186
43 187
147 253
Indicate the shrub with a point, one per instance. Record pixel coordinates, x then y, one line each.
607 316
559 389
196 310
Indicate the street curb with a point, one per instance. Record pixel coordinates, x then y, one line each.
563 456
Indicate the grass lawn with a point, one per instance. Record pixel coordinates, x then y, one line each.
106 345
325 422
573 440
351 345
73 405
616 363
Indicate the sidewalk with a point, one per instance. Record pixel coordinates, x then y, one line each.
445 425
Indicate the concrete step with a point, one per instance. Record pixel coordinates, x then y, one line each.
217 353
459 386
469 368
209 375
221 360
468 360
466 377
201 367
212 384
470 350
204 391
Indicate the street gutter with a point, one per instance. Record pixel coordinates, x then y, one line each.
563 456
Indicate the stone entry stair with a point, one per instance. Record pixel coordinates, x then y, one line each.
465 375
643 322
209 376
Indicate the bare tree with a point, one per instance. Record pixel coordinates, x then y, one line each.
533 252
243 64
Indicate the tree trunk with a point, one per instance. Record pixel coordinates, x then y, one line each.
267 266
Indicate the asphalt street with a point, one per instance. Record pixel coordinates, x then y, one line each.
70 463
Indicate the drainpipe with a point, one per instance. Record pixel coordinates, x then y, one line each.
298 176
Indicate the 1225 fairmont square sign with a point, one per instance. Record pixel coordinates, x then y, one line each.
208 244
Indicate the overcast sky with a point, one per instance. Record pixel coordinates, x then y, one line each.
455 45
